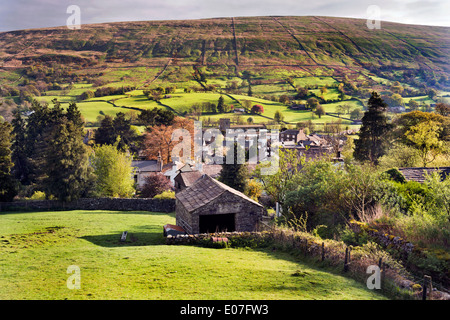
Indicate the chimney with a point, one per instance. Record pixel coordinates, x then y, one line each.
160 162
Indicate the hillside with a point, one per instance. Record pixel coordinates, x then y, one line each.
144 267
274 54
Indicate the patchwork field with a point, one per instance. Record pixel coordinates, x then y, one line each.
36 248
273 55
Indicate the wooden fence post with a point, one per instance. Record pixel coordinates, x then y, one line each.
346 260
306 247
323 251
426 280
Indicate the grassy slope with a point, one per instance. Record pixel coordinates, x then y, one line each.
34 265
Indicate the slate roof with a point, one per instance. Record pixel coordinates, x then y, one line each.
205 190
146 165
419 174
189 177
290 131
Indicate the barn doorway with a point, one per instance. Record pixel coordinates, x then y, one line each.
216 222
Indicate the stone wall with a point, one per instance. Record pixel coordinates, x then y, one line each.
183 217
247 214
114 204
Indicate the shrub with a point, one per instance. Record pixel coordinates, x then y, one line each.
395 175
155 184
351 238
168 194
38 195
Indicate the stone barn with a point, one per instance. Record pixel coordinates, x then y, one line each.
211 206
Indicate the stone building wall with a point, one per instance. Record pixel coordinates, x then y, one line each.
183 217
247 214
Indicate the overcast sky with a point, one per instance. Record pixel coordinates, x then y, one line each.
25 14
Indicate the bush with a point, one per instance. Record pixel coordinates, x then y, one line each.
395 175
38 195
168 194
155 184
351 238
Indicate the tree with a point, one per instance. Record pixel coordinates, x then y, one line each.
312 103
278 116
407 120
8 188
63 160
279 184
443 109
113 170
413 105
156 116
21 169
302 93
284 99
425 138
234 174
112 128
397 88
257 109
347 108
254 189
105 134
320 111
400 155
372 140
158 141
340 110
155 184
356 114
397 99
250 91
360 189
220 105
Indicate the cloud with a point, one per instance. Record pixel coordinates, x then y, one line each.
23 14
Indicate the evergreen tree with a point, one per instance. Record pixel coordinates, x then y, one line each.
234 175
73 114
19 155
7 183
37 122
105 134
221 105
111 129
65 170
372 140
60 158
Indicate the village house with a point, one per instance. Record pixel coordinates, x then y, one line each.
210 206
144 168
296 106
292 135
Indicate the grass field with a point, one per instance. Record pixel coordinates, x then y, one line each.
37 248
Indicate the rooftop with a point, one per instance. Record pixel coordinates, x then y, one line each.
146 165
204 190
419 173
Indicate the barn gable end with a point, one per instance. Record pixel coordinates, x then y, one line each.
210 206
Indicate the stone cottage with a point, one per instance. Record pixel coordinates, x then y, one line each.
210 206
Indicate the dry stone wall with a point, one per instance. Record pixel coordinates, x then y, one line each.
114 204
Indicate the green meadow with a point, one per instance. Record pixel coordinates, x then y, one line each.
36 249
